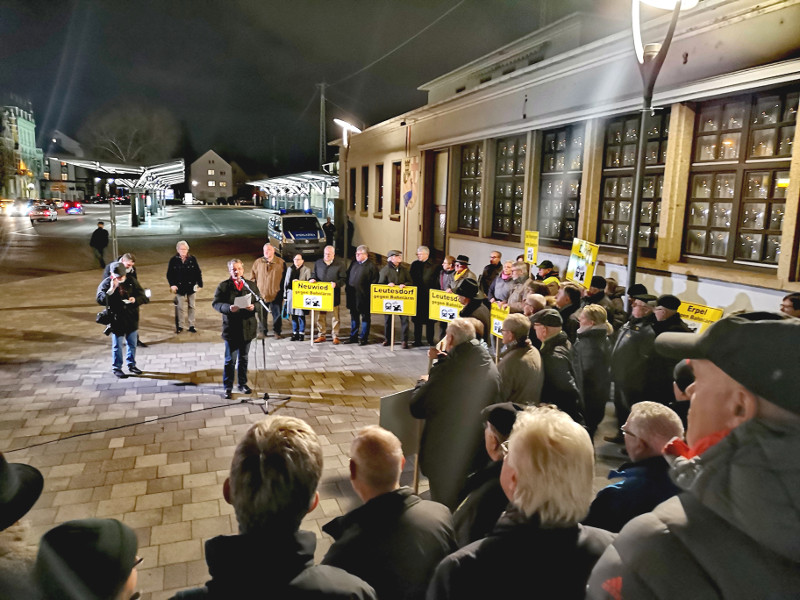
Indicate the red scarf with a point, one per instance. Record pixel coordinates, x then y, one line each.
238 284
677 447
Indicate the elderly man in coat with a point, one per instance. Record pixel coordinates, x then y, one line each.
450 399
520 364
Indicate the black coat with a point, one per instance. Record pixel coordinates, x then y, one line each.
424 275
490 271
99 238
482 502
459 386
521 559
240 326
332 273
560 387
591 357
477 309
631 355
360 278
184 275
393 542
396 275
125 317
660 368
273 566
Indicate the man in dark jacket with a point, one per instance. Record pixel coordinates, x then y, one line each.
597 295
467 292
128 261
645 480
122 295
491 270
568 301
537 548
560 386
332 270
660 368
272 485
361 274
733 530
395 539
98 243
425 276
394 273
185 278
450 399
238 324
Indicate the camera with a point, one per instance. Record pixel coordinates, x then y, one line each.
107 330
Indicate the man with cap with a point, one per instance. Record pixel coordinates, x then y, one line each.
491 271
560 386
660 368
520 365
597 295
637 289
482 500
467 293
734 530
88 559
394 273
450 399
20 488
546 269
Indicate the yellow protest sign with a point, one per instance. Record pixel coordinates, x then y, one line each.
531 246
443 306
580 268
312 296
393 300
498 316
699 317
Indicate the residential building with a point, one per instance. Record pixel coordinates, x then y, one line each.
211 178
21 162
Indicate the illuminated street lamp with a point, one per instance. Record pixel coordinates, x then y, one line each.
343 173
650 58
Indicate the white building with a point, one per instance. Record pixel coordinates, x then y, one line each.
541 135
211 178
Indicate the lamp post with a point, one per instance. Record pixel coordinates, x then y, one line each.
649 58
344 188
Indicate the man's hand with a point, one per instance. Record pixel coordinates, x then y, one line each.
333 283
423 378
234 308
251 308
390 284
174 289
312 281
132 300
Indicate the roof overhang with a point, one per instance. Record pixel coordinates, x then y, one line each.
157 177
298 183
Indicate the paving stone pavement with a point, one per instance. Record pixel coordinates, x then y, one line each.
154 450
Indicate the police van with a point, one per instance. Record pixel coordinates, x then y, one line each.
296 232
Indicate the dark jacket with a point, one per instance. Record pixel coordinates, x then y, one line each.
571 323
332 273
239 326
184 275
477 309
645 484
591 356
99 238
521 559
459 386
125 316
261 566
660 368
615 318
482 502
393 542
560 387
490 271
424 275
360 278
631 355
396 275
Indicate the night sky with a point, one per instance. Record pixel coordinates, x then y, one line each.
240 75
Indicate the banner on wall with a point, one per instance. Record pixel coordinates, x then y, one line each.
582 259
531 247
409 185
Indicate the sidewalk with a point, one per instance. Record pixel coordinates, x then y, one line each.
154 450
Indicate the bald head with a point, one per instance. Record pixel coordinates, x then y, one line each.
376 460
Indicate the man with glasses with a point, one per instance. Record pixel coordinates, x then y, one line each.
645 479
361 274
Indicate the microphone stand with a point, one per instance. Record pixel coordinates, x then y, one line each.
266 396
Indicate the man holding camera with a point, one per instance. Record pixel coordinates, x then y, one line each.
122 295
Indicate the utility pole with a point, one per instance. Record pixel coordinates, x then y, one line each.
322 131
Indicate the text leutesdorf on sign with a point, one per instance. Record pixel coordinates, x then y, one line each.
699 317
498 316
312 296
393 300
443 306
531 247
582 259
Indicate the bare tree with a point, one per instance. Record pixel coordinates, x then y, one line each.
131 133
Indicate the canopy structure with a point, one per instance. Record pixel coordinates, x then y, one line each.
153 177
297 184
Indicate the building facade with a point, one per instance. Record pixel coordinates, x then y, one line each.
541 135
211 178
21 162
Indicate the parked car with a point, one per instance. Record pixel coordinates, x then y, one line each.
73 207
42 212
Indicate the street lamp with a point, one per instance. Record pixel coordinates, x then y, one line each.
344 188
649 58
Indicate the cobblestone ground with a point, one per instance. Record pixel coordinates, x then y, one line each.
154 450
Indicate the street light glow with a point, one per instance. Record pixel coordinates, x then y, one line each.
345 128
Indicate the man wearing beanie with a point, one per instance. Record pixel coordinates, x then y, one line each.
597 295
734 530
88 559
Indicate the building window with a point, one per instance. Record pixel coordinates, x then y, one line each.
622 137
47 175
738 181
352 189
364 189
211 183
379 189
223 184
559 195
221 173
211 171
397 180
469 202
509 178
64 177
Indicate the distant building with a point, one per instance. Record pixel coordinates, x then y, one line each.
211 177
21 162
61 180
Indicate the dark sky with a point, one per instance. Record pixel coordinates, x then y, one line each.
239 74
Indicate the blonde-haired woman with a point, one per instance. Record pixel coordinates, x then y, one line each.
591 357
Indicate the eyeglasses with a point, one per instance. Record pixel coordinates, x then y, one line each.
626 432
504 448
